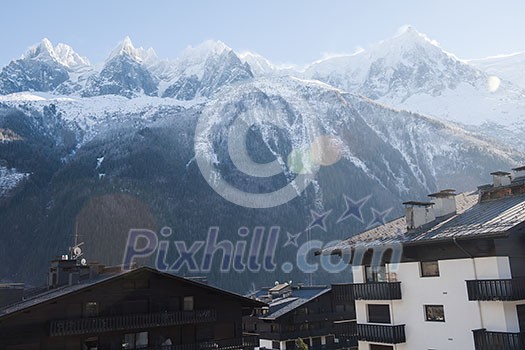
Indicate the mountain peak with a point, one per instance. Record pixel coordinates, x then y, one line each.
42 50
409 34
126 48
205 49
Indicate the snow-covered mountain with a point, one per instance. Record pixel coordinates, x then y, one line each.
80 142
203 70
124 73
42 68
413 72
509 67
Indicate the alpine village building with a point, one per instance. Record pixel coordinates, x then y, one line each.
90 307
449 275
311 313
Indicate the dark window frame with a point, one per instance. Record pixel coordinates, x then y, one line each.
429 318
373 316
424 272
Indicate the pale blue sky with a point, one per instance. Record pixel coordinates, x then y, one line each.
283 31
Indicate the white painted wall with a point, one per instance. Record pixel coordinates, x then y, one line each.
449 289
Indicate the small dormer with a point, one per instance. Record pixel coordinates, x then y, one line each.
501 178
418 214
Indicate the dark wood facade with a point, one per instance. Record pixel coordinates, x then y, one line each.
142 308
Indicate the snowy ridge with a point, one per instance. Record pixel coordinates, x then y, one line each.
92 114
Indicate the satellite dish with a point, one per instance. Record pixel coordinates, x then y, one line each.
77 251
83 262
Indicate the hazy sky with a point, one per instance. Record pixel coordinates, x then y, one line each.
283 31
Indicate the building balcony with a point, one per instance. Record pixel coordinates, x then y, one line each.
244 343
377 291
129 322
292 335
343 292
485 340
387 334
327 316
500 290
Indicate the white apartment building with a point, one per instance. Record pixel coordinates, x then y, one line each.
450 275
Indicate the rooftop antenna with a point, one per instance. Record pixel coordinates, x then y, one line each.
75 252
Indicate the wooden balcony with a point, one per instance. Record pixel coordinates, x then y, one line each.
244 343
129 322
387 334
485 340
377 291
496 290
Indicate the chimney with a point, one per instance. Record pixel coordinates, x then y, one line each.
519 173
444 202
501 178
418 214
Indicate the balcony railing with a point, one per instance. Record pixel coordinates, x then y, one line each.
485 340
348 329
387 334
244 343
343 292
128 322
327 316
291 335
377 291
501 290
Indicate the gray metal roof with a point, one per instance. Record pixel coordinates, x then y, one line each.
473 219
281 306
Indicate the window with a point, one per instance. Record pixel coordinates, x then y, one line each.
376 274
429 269
435 313
381 347
90 343
188 303
135 340
91 309
378 313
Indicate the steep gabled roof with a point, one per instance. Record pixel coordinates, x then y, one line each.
61 292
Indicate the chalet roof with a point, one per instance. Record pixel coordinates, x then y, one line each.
57 293
281 306
472 220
